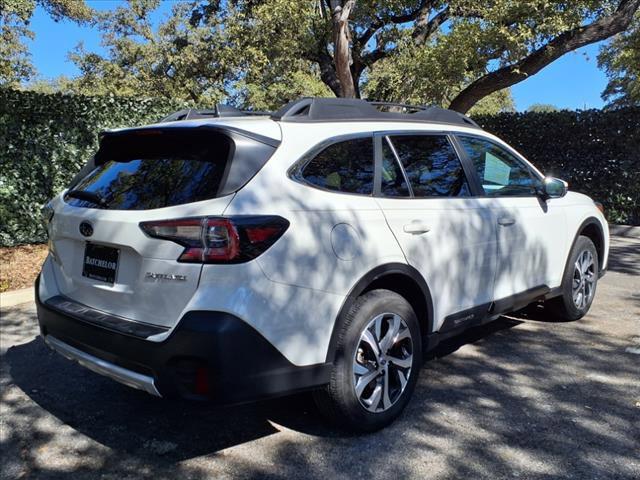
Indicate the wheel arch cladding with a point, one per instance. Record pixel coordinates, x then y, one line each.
400 278
592 229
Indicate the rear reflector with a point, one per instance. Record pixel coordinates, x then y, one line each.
201 386
219 239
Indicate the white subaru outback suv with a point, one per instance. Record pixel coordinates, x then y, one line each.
325 247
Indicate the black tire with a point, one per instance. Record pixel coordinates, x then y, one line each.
564 307
338 401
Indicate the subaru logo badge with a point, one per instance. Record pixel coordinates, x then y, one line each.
86 229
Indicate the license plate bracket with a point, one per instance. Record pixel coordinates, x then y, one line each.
100 262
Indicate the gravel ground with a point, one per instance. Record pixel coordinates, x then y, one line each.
523 397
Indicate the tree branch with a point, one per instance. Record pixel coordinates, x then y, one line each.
369 58
423 30
578 37
425 27
422 10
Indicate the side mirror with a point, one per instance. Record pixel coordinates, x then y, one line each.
553 188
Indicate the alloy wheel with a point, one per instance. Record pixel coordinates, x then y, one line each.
584 279
382 362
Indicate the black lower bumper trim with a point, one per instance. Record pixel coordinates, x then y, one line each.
211 355
102 319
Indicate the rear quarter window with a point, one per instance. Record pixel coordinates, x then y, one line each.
345 166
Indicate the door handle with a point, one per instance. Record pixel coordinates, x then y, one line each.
416 228
506 221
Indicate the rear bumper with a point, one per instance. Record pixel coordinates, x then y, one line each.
212 355
122 375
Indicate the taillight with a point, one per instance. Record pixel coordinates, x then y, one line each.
219 239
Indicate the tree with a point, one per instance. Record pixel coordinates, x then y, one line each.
261 53
621 61
190 56
15 62
251 54
542 108
521 38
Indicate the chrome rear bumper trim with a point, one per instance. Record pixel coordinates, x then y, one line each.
108 369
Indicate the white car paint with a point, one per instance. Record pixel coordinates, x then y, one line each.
293 292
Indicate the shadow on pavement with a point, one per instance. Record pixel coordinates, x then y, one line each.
481 412
132 421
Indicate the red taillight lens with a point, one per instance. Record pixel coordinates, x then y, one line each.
219 239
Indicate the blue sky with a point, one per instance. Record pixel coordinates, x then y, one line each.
574 81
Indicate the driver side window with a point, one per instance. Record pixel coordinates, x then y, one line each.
501 173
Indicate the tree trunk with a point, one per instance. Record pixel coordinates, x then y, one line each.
342 48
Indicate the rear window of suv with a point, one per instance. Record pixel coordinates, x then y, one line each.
148 169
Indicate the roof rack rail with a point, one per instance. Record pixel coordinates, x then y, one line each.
219 110
343 109
398 107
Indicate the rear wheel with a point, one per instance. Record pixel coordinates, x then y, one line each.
579 282
376 366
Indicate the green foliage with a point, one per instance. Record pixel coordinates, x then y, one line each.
264 52
434 74
542 108
15 65
276 38
595 151
183 58
45 139
478 39
15 61
620 58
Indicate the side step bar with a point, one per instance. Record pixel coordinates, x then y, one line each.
102 367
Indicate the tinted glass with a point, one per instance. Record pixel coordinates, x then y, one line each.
344 167
432 166
393 183
155 170
500 172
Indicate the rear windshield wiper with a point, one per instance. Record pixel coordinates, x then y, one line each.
88 196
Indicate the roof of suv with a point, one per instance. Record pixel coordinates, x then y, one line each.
266 125
356 110
307 110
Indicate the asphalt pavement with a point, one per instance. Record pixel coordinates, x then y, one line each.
523 397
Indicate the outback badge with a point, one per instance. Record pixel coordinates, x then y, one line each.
165 276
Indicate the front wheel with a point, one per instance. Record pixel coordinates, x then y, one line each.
579 282
378 357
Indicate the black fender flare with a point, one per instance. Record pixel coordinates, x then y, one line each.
365 281
588 221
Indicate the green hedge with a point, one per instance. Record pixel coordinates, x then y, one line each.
45 139
597 152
